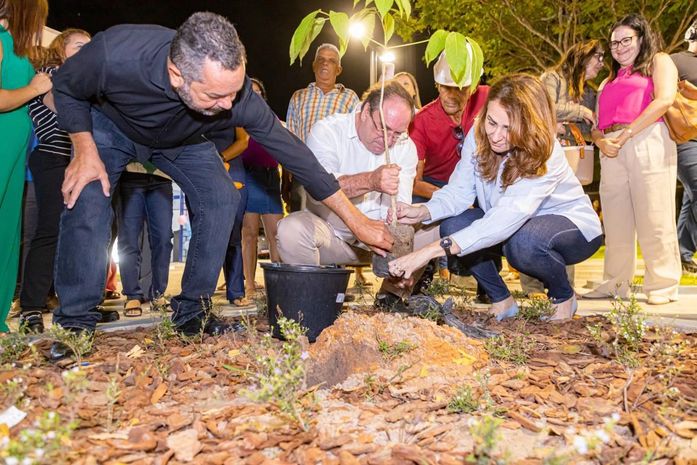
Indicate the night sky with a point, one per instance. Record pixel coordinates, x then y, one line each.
265 27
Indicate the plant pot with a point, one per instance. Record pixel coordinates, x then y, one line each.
310 295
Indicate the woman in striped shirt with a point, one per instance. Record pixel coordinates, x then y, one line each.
47 163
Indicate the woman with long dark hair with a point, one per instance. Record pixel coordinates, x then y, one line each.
638 165
532 209
21 24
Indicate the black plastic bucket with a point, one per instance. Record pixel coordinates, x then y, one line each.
311 295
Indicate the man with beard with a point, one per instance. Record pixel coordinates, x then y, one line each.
172 98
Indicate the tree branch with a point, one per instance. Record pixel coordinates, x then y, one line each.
519 19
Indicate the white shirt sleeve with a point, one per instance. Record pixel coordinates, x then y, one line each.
459 194
407 160
516 205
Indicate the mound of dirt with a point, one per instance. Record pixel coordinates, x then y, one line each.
360 344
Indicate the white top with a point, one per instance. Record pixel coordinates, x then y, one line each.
336 145
558 192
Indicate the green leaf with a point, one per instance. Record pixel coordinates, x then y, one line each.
457 56
406 5
369 24
383 6
388 27
301 34
316 29
340 24
477 63
435 45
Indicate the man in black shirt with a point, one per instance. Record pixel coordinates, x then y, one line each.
143 92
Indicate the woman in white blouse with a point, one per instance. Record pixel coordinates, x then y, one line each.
532 208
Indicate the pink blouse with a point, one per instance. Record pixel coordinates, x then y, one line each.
623 99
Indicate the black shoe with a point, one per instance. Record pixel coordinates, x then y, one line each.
32 321
214 326
59 351
390 302
689 267
106 316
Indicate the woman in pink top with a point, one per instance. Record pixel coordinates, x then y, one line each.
638 165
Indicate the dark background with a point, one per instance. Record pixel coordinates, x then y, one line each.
265 27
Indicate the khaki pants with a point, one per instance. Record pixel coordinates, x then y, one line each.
637 191
306 239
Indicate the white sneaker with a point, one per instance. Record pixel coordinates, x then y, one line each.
660 299
565 310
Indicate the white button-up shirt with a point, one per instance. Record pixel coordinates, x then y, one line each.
335 143
557 192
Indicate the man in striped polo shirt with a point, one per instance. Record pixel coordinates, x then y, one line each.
320 99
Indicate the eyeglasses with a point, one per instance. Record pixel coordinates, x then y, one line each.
625 42
459 134
600 56
395 136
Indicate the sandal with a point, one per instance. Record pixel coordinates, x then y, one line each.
132 308
241 302
112 295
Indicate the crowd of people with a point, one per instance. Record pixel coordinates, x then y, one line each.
110 122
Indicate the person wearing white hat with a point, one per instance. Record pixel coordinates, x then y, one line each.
440 127
686 62
439 131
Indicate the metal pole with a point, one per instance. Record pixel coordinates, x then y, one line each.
373 66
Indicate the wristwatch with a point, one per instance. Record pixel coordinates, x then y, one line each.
445 244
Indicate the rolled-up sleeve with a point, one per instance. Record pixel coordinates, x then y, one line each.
255 116
79 81
459 194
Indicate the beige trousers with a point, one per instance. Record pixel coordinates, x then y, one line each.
637 191
306 239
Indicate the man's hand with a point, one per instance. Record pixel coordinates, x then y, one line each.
374 234
84 168
386 179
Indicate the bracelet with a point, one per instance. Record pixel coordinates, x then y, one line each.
629 131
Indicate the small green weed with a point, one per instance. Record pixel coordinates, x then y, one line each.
628 327
515 349
280 372
486 435
392 351
45 442
79 343
13 346
536 310
463 401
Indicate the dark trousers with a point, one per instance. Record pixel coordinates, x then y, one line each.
81 258
233 267
541 248
48 171
145 199
687 220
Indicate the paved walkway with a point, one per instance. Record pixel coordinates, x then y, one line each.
682 314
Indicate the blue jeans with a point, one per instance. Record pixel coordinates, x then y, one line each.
541 248
687 220
144 198
81 258
233 265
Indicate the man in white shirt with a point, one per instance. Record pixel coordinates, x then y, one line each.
351 147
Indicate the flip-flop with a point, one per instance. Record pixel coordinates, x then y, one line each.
132 308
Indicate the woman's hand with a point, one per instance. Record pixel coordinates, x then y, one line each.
410 214
588 116
405 266
610 147
41 83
